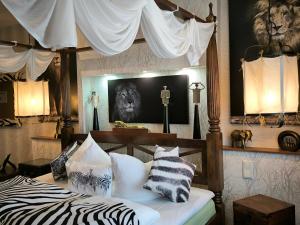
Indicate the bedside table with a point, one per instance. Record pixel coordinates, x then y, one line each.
35 168
263 210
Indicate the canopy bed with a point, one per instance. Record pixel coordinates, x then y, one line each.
211 148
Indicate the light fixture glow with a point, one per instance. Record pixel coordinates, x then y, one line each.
271 85
31 98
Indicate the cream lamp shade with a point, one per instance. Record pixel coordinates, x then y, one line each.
31 98
271 85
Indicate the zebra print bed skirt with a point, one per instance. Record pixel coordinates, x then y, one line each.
28 201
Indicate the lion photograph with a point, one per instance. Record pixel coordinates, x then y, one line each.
277 25
267 27
138 100
127 103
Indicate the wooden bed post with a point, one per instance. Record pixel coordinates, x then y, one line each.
67 129
214 137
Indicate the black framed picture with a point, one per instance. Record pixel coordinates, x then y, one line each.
137 100
254 25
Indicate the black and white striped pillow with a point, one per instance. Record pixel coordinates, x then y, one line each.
58 167
171 176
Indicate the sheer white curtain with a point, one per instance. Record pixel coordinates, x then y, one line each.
111 26
170 38
36 61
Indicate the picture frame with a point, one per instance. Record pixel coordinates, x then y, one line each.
138 100
246 43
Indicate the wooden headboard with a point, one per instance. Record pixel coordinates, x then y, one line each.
134 140
213 143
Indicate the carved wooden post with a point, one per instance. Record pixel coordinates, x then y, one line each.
214 137
67 129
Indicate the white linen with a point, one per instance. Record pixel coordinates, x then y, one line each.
111 26
170 38
168 210
50 22
179 213
130 174
89 152
35 60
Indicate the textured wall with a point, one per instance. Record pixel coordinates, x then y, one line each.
99 84
274 175
17 141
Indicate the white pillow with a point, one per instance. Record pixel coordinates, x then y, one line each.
90 179
148 166
160 151
91 153
130 174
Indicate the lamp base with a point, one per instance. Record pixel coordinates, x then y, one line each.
197 130
95 120
166 128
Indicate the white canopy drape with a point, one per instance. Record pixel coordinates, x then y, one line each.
111 26
36 61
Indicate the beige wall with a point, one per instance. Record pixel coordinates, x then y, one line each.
17 141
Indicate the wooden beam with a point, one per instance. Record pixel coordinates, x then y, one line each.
66 70
179 12
21 45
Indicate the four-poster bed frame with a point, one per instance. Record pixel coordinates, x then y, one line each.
212 173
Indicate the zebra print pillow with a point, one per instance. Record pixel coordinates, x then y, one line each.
58 167
90 179
171 176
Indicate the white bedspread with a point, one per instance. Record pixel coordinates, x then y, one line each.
170 213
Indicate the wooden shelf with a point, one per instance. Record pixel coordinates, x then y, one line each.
261 150
45 138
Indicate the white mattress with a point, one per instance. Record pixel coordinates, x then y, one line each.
170 213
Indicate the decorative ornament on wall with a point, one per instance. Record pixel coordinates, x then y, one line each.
289 141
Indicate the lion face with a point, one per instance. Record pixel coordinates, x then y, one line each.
280 21
127 103
278 28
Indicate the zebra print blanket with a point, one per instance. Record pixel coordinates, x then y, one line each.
30 202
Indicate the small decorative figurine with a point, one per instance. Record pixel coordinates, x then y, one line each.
165 97
94 100
239 138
